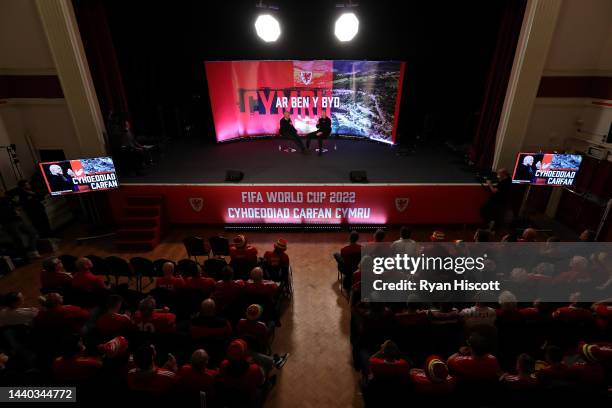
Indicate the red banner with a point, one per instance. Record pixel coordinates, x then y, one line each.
313 204
249 97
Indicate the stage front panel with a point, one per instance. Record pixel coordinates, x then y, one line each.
248 98
312 204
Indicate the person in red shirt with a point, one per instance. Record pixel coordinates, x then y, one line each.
474 364
73 365
208 325
84 279
240 250
278 258
554 371
227 290
149 319
578 271
524 379
55 316
586 368
238 374
603 314
169 281
113 323
351 254
53 275
196 376
198 282
388 364
433 379
252 329
258 287
147 377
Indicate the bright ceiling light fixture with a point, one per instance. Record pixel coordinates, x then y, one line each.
267 28
346 27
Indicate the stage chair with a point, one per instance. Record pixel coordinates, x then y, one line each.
119 267
100 267
187 268
69 262
195 247
142 267
219 245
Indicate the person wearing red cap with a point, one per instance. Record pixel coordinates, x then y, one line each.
388 363
73 365
84 279
227 290
147 377
241 250
200 283
587 370
473 364
253 329
238 374
53 275
149 319
278 257
57 317
196 376
113 323
169 280
434 378
524 379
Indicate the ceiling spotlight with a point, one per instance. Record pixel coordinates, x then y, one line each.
267 27
346 27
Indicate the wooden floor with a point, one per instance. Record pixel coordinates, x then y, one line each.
315 325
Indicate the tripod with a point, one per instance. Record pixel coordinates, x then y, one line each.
11 151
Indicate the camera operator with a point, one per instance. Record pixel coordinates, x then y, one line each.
498 203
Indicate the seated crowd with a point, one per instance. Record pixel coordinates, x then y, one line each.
193 332
506 351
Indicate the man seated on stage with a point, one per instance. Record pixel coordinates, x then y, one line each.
323 131
288 130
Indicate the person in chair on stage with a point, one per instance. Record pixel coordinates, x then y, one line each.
288 130
323 131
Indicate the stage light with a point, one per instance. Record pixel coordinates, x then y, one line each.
267 28
346 27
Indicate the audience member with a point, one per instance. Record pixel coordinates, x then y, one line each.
53 275
12 312
84 279
169 281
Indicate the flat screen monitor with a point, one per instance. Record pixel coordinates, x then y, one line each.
546 169
79 176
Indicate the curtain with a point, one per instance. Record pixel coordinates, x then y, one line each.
102 59
483 145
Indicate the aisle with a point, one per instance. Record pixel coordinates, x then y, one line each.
315 331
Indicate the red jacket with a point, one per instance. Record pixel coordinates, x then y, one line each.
54 279
423 385
192 380
114 324
381 368
474 368
157 381
170 283
77 368
88 282
64 318
158 322
249 253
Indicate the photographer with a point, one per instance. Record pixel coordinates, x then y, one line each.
498 203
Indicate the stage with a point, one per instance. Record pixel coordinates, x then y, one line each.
261 162
429 186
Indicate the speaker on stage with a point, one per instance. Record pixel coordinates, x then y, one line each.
358 176
234 176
